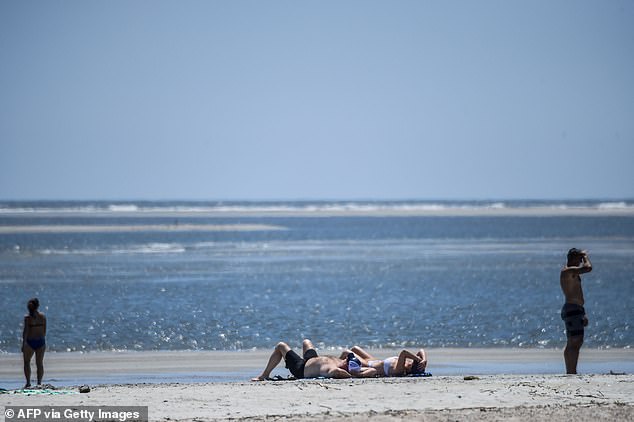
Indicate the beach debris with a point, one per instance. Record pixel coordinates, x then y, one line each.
471 378
617 373
84 389
42 387
600 395
327 387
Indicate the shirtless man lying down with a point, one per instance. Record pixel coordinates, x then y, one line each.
309 365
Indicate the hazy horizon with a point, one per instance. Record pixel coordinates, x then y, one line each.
324 199
220 100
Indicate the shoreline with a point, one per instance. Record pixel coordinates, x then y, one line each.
155 367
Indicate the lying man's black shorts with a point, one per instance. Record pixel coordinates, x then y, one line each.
295 364
573 314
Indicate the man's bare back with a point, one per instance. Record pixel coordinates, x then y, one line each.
325 366
571 286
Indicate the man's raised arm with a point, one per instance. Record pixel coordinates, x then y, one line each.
584 267
586 264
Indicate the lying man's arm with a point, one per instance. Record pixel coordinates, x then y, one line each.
338 373
365 372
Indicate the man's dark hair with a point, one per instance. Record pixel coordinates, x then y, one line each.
574 252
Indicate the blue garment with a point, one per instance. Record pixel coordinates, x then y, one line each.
36 343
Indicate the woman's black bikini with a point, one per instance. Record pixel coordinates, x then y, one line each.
36 342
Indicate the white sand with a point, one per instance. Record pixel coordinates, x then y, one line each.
490 397
598 397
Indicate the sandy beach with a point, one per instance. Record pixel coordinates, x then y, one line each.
493 396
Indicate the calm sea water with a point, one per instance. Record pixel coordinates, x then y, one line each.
162 276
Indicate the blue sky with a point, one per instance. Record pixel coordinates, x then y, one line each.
316 99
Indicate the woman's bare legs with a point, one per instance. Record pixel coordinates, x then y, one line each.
362 353
39 361
27 354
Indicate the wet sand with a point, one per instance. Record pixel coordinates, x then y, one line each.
499 396
208 366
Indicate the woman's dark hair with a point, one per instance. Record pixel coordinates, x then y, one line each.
36 304
415 370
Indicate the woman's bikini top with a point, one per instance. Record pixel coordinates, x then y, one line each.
35 322
387 364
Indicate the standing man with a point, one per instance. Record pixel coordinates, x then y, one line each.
573 313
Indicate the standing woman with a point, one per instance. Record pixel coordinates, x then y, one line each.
33 341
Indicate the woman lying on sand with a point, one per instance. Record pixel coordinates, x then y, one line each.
405 363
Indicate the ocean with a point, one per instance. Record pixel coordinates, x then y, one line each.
237 275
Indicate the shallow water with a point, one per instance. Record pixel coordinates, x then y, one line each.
375 281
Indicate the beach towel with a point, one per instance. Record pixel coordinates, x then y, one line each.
30 392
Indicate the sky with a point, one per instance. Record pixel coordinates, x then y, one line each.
264 100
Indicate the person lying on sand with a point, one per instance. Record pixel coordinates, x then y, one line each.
309 366
405 363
